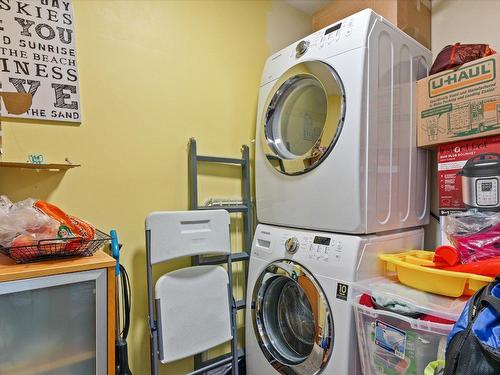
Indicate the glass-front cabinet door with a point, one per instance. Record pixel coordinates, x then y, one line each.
54 324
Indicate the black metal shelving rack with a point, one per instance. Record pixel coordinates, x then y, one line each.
245 209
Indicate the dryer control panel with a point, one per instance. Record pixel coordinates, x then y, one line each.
333 33
345 35
325 38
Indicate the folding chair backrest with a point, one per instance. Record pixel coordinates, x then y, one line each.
176 234
193 311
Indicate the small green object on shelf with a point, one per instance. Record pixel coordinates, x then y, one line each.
35 158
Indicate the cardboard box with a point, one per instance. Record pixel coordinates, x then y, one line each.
459 104
411 16
451 159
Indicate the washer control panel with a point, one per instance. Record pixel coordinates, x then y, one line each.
487 192
325 248
292 245
320 248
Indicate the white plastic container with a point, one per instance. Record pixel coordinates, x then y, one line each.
394 344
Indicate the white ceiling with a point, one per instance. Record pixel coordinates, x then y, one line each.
308 6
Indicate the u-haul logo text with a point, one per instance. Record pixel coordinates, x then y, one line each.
462 78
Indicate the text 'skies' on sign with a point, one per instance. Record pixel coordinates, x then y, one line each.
38 57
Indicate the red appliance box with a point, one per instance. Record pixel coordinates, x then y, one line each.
451 159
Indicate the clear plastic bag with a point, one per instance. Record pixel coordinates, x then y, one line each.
22 224
475 235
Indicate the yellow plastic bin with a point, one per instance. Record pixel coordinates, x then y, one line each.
410 270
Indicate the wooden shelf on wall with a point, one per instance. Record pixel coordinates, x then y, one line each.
60 167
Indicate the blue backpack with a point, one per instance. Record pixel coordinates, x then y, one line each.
474 343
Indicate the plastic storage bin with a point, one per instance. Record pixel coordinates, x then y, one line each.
394 344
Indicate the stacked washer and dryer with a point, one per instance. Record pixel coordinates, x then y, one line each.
339 180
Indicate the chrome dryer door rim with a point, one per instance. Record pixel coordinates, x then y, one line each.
303 117
292 319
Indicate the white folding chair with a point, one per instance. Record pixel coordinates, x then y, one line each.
191 309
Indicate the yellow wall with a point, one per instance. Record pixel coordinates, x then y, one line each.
286 24
152 74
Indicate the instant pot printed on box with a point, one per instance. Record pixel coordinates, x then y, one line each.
469 177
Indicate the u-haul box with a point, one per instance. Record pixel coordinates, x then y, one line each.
459 104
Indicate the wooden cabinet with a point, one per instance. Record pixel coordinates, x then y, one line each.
57 316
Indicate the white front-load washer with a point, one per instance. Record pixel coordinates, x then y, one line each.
298 320
336 131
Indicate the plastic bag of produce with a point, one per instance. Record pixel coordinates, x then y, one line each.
26 222
21 224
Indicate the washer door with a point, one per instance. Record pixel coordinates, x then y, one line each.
292 319
303 117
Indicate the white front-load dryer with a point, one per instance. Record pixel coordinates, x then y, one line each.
299 320
336 131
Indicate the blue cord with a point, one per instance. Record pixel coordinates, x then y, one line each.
115 247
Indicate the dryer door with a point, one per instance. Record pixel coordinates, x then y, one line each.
303 117
292 319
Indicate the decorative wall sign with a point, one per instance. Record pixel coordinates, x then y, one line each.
38 56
